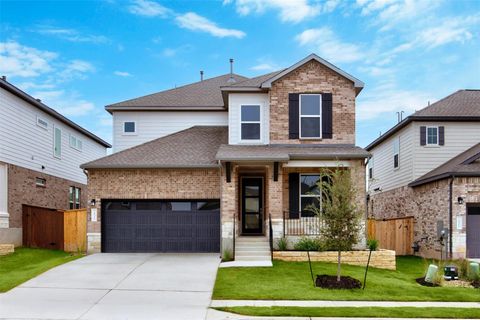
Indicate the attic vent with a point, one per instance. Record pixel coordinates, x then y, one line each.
232 79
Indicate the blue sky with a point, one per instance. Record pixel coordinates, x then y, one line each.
78 56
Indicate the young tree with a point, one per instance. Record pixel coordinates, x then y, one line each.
340 227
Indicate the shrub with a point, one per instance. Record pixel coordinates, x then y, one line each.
282 244
308 244
227 255
372 244
463 265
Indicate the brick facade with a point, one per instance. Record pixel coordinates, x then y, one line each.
429 203
23 190
147 184
314 77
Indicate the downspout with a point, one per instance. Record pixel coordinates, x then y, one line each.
450 217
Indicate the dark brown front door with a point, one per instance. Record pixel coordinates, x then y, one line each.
252 206
473 230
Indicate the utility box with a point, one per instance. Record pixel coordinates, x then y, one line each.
450 273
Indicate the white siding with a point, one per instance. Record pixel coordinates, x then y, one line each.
384 175
459 136
25 144
152 124
238 99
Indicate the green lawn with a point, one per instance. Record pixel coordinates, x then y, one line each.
27 263
365 312
292 281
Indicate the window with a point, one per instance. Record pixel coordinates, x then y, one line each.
129 127
40 182
432 136
250 122
42 123
310 116
74 198
76 143
309 193
179 206
370 168
396 153
57 142
208 205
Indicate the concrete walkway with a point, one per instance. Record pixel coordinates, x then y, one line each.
322 303
118 286
218 315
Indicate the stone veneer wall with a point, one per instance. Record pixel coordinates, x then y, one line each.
314 77
23 190
383 259
146 184
429 203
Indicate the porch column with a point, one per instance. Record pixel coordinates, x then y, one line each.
228 202
275 202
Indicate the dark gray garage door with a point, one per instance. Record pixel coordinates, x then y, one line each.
473 230
161 226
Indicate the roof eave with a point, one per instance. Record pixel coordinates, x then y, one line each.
445 175
140 166
110 108
328 156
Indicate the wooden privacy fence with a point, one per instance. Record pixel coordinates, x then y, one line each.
393 234
55 229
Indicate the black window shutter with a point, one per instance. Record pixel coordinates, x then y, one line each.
327 116
423 135
293 106
293 187
441 135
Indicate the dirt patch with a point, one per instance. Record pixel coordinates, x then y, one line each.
422 282
330 282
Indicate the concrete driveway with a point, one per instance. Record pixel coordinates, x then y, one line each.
118 286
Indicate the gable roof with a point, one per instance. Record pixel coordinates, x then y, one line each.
466 164
4 84
201 95
462 105
190 148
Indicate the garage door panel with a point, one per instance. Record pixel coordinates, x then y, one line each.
161 226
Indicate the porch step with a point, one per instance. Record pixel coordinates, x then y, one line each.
246 253
252 258
252 249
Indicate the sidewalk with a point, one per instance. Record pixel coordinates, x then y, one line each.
321 303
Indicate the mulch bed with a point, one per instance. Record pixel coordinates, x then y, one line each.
330 282
476 284
421 281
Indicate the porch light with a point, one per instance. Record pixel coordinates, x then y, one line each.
460 200
92 202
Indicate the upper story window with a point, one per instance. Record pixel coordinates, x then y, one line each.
396 153
76 143
309 194
432 136
57 142
310 116
370 168
250 123
42 123
129 127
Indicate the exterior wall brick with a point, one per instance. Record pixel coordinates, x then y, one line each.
429 203
22 190
314 77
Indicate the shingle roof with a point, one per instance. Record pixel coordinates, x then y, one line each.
255 82
466 164
462 105
38 104
285 152
191 148
198 95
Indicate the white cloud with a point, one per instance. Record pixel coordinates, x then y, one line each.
122 74
75 69
22 61
264 67
451 30
70 34
195 22
148 8
329 46
289 10
68 104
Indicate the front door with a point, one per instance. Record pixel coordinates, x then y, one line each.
473 230
252 205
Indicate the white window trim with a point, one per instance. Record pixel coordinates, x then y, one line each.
61 133
70 136
370 166
300 196
246 141
397 140
426 137
309 116
129 133
40 125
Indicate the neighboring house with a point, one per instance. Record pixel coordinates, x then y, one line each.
241 153
427 167
40 156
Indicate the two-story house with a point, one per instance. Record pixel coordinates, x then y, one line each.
427 166
40 156
235 155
